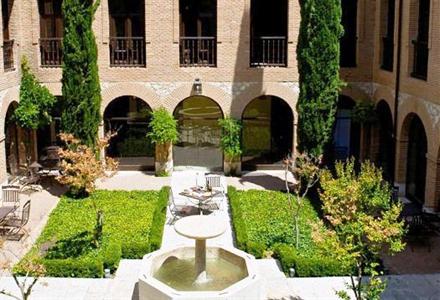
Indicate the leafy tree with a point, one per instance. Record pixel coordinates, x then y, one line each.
36 101
230 139
366 223
80 166
318 67
163 132
305 169
81 89
162 127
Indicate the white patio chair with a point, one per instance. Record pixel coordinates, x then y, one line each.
178 211
214 183
11 196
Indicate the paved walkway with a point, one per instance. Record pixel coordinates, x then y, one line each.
42 203
183 180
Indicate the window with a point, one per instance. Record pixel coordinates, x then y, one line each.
420 44
349 39
387 28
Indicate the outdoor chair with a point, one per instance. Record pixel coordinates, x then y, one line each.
214 183
11 195
419 233
14 225
178 211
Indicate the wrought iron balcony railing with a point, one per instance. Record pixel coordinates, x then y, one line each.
198 51
127 52
51 52
387 53
8 55
269 51
420 62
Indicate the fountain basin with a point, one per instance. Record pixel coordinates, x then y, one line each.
236 278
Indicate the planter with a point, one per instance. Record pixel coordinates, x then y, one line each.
232 167
164 159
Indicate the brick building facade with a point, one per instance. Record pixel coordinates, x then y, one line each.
155 54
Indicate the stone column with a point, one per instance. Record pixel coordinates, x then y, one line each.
200 261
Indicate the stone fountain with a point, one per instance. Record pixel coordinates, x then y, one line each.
199 272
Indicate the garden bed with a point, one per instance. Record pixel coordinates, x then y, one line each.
133 226
264 226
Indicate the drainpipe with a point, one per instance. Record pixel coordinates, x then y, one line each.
397 85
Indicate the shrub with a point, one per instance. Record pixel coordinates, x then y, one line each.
112 255
67 236
159 219
80 166
90 268
162 127
237 218
36 101
309 265
230 141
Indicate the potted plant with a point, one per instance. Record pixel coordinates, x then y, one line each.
163 133
231 145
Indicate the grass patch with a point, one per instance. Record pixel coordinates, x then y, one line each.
263 223
133 226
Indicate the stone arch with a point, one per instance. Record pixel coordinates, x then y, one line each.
241 101
129 89
209 91
200 133
412 156
11 96
268 131
355 93
383 94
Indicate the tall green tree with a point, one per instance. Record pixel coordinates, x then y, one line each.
81 89
318 65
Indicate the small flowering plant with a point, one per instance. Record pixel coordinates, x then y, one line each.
81 166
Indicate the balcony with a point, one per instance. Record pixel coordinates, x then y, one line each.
8 55
387 53
198 51
269 51
51 52
127 51
420 63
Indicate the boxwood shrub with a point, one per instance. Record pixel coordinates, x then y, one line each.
133 226
263 222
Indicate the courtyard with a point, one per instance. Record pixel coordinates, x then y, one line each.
410 277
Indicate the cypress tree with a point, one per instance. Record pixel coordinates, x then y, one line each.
81 89
318 67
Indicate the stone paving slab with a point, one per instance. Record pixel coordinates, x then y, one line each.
133 180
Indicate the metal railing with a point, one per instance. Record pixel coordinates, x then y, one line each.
8 55
51 52
269 51
127 51
198 51
387 53
420 62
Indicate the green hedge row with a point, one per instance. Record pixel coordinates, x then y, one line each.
159 218
133 226
261 218
312 265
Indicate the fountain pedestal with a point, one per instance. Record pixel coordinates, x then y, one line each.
200 228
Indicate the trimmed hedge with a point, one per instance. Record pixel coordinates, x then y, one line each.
307 266
262 223
133 226
72 267
159 219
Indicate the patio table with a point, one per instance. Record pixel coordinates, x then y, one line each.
201 195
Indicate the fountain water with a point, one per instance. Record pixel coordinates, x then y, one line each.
199 272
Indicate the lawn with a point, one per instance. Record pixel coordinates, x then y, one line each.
264 225
133 226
